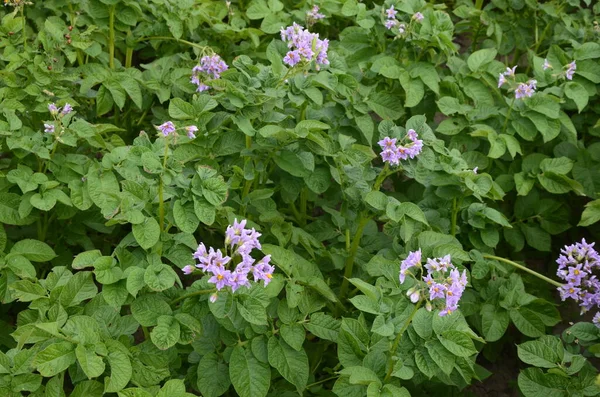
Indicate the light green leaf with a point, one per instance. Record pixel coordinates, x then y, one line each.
291 364
166 333
55 358
92 364
34 250
147 233
250 377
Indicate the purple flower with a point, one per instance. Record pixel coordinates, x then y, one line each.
596 320
234 233
387 143
575 266
313 16
263 270
220 277
189 269
391 13
412 135
210 67
510 72
501 80
570 70
437 291
401 28
418 17
66 109
213 298
53 109
546 65
292 58
191 129
525 90
414 295
304 46
390 23
413 259
166 128
49 128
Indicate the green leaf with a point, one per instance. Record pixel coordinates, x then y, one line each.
159 277
92 364
79 288
148 308
481 58
544 104
26 291
494 322
120 367
166 333
591 214
147 233
86 259
323 326
441 356
252 310
181 110
9 210
534 383
560 165
213 376
215 191
458 343
578 94
527 322
291 364
422 323
385 105
546 352
250 377
34 250
21 266
185 217
54 359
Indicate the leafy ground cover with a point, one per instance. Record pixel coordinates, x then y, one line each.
286 198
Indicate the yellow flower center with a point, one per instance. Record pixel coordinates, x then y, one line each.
219 277
269 276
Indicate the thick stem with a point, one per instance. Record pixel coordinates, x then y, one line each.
111 38
454 216
525 269
247 183
397 342
512 103
362 222
161 187
303 199
128 57
24 27
381 177
196 293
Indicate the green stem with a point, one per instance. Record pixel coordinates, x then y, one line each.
322 381
161 187
397 342
381 177
512 103
203 48
196 293
111 38
303 200
128 57
247 183
525 269
454 216
24 27
362 222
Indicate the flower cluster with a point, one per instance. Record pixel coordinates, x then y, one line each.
575 266
210 68
239 243
313 16
168 128
392 22
522 90
304 46
57 113
443 281
392 152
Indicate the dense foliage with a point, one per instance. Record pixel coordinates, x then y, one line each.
273 197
